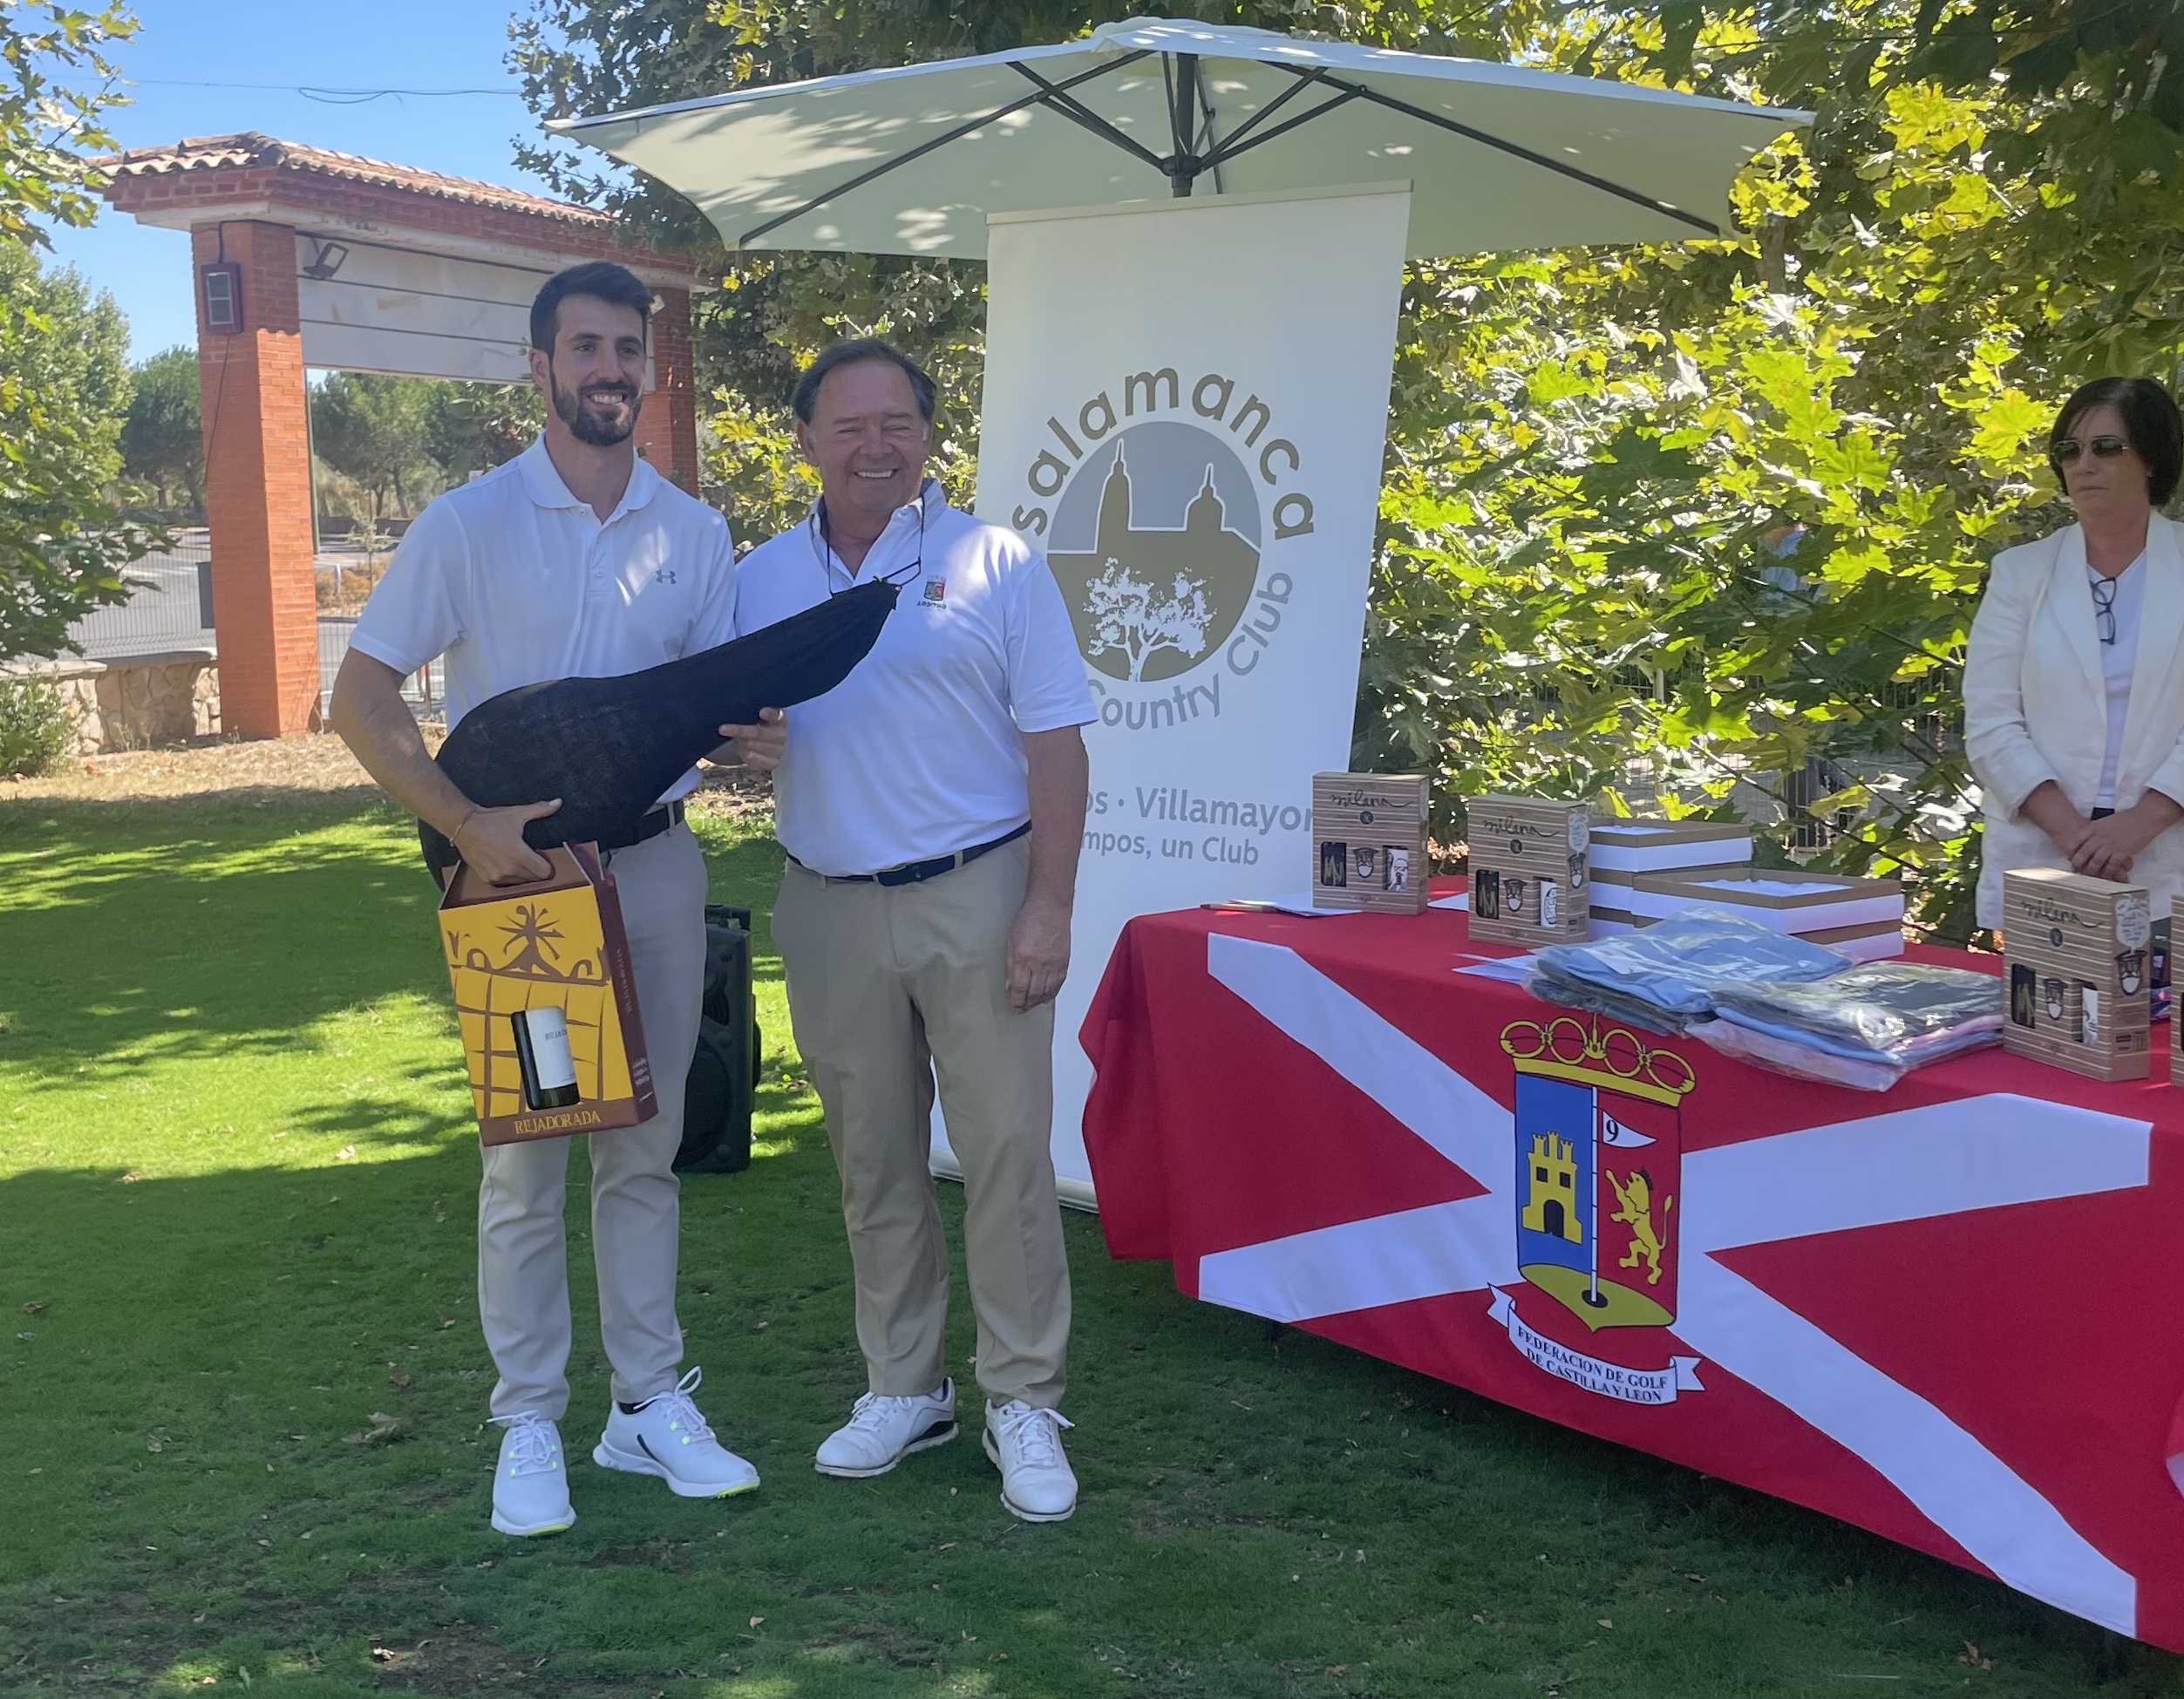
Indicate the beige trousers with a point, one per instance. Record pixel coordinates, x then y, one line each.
635 1202
888 986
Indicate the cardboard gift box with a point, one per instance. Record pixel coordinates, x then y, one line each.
2078 955
1623 849
1862 918
554 951
1369 841
1530 869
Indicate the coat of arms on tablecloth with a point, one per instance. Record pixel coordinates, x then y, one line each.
1599 1171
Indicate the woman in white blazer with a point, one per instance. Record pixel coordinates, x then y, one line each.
2074 684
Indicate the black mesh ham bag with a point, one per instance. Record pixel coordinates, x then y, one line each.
609 747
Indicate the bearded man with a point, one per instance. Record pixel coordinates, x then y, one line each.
574 560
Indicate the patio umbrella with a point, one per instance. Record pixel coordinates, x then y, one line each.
912 160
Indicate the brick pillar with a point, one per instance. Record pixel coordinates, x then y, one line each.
258 487
666 426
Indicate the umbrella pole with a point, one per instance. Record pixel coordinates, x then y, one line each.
1181 72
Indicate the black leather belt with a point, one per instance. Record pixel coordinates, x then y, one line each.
911 872
650 825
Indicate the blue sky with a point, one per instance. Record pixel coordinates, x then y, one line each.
189 54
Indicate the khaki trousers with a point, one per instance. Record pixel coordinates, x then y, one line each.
888 986
636 1198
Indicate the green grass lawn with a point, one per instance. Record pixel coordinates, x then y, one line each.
236 1174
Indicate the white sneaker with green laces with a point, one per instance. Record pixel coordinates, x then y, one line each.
884 1429
1025 1445
530 1487
666 1436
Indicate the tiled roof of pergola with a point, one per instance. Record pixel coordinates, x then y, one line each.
249 150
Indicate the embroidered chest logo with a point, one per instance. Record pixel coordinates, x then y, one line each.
665 575
935 592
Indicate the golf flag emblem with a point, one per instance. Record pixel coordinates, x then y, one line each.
1599 1171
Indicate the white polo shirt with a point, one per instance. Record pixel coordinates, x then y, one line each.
516 581
919 752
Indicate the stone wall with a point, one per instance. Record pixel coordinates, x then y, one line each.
140 702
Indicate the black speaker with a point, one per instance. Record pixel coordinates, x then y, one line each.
724 1077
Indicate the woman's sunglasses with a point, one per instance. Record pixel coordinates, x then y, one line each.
2104 448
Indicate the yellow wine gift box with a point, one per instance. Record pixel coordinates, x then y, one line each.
554 945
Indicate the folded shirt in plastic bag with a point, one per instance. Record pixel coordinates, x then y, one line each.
1881 1008
1677 966
1865 1027
1802 1059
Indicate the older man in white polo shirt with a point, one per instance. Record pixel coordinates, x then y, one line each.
932 807
574 560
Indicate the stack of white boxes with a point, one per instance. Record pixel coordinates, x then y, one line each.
1623 849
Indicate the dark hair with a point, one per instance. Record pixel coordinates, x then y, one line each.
861 352
2150 420
601 278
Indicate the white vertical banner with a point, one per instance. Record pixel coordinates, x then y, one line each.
1186 404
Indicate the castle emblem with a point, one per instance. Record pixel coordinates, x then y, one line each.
1169 566
1599 1155
1600 1166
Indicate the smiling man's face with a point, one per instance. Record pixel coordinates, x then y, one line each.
869 443
595 375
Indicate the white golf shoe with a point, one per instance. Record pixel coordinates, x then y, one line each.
666 1436
530 1487
882 1429
1025 1445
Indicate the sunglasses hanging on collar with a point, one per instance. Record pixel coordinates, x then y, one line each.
823 539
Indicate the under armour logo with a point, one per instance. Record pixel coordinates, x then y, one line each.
665 575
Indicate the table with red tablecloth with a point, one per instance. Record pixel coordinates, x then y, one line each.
1951 1313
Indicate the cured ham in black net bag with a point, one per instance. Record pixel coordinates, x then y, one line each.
610 747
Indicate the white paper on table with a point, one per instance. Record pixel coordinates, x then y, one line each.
1300 902
1462 900
1514 968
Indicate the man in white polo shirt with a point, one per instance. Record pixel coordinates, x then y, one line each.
932 807
574 560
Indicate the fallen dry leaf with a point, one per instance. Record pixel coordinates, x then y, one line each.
1970 1656
756 1620
346 1153
34 1306
401 1380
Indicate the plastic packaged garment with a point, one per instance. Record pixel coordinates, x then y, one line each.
1676 967
1572 994
1882 1008
1804 1060
1865 1027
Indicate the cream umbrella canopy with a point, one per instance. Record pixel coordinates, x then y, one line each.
912 160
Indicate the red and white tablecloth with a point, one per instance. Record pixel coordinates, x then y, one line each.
1952 1313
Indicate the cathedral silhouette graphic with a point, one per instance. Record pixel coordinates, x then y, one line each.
1149 601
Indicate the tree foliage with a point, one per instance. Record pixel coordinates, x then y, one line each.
474 427
372 428
50 128
1692 526
63 375
162 438
63 392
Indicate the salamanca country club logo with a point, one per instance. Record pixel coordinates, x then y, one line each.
1156 521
